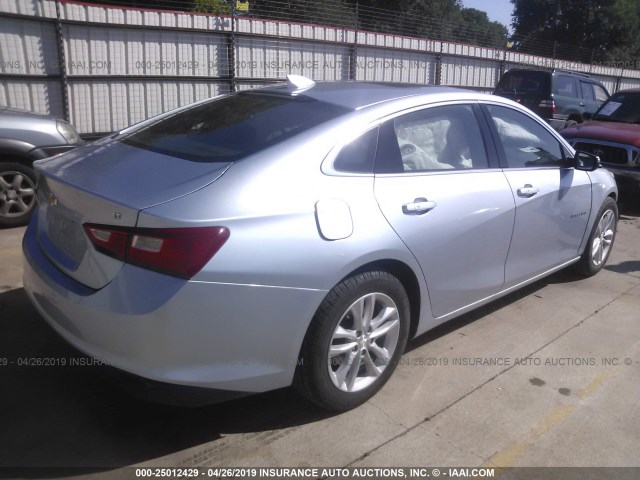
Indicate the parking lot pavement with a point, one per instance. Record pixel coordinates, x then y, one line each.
548 376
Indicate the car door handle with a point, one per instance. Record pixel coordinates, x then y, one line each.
418 206
527 191
582 104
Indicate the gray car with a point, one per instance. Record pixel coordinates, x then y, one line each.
25 137
301 234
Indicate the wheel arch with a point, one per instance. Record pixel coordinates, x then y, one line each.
577 116
407 277
17 151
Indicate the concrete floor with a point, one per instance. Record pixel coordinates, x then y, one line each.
564 390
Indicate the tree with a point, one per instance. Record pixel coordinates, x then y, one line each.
606 28
219 7
434 19
479 30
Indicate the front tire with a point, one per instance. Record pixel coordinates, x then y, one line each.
17 194
603 234
354 342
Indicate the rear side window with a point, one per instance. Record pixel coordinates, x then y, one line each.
565 85
437 138
233 127
524 82
358 156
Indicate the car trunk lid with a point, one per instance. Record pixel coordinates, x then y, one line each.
106 183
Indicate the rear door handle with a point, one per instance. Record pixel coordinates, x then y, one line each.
418 206
527 191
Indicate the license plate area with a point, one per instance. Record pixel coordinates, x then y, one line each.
65 233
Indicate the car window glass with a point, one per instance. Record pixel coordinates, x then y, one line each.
441 138
587 90
232 127
565 86
526 143
601 93
621 107
358 155
523 82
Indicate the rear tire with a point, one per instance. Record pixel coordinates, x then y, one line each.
601 240
17 194
354 342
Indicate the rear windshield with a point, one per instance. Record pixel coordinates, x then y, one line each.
621 107
233 127
524 82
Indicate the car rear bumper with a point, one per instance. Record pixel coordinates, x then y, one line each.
243 338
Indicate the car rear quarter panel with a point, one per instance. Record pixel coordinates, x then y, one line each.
268 202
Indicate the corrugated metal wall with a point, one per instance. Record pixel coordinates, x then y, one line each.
122 65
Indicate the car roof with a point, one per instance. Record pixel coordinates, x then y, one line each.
15 112
550 71
357 95
630 90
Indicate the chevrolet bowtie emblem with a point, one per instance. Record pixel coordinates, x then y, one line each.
53 200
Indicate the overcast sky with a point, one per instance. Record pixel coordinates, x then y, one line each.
499 10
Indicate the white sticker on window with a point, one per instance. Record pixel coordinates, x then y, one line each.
609 108
530 150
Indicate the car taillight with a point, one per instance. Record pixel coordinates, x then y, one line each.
550 104
181 252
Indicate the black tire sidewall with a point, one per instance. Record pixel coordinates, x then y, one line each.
316 348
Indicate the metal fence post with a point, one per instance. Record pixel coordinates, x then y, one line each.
438 74
231 49
353 53
619 80
503 63
64 79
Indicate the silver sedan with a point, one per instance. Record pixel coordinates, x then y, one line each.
301 234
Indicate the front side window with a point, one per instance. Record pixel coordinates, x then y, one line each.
587 90
232 127
525 142
440 138
601 93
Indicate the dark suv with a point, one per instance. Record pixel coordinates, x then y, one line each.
558 96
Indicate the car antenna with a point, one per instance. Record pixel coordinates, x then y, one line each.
299 83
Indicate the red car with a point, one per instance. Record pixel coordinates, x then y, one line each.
614 135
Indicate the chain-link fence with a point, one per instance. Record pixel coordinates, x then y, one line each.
106 66
414 23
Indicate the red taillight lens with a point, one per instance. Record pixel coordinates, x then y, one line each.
548 104
181 252
110 241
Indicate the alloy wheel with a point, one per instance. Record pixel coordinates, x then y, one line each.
363 342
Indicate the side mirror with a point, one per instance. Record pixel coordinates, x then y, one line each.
587 116
586 161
